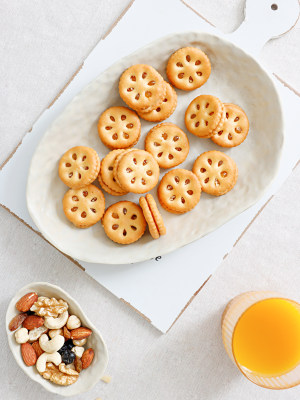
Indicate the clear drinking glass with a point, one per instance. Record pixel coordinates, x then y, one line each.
231 315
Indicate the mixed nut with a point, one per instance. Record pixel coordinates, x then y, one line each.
51 339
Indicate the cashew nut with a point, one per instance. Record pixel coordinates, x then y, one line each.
36 333
80 342
78 351
50 346
22 335
55 332
46 357
56 323
73 322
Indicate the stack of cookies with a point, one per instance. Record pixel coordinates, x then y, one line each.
130 170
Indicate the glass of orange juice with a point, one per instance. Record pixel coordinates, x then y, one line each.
261 334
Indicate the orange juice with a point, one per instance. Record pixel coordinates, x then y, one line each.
266 338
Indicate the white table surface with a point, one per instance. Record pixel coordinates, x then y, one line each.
41 45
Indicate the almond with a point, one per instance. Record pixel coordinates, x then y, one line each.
17 321
37 348
87 358
28 354
33 321
80 333
78 364
26 302
66 333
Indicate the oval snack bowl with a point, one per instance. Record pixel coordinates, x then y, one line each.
87 378
236 77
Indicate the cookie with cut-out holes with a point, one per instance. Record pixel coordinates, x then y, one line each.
165 109
124 222
79 167
188 68
217 172
142 87
119 127
204 116
235 128
84 207
137 171
152 215
106 174
179 191
168 144
116 163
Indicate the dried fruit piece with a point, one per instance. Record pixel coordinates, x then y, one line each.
25 302
37 348
78 364
36 333
80 333
28 354
87 358
68 357
45 307
33 321
17 321
66 333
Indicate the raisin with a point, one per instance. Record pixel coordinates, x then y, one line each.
68 357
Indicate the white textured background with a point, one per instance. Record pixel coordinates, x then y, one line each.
41 45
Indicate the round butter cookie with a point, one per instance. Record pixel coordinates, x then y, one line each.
188 68
106 174
124 222
165 109
84 207
152 215
179 191
79 167
142 88
234 129
168 144
217 172
119 128
137 171
204 116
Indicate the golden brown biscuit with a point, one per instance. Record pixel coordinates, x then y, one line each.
116 164
124 222
84 207
119 127
235 128
188 68
142 88
217 172
204 116
165 109
79 167
106 175
168 144
179 191
137 171
152 216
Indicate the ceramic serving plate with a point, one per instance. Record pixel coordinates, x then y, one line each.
236 77
89 377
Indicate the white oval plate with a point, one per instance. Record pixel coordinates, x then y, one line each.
236 78
87 378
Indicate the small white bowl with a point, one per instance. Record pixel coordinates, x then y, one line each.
87 378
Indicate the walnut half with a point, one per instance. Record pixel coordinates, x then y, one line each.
60 375
45 307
